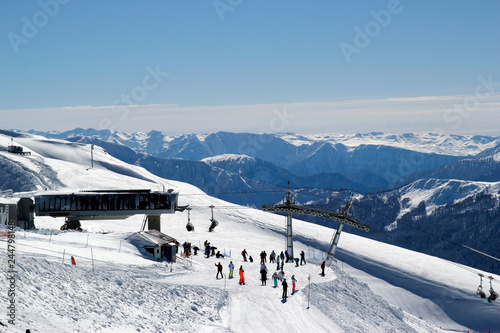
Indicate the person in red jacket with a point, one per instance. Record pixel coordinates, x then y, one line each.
242 277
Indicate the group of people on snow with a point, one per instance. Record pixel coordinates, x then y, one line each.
279 260
210 251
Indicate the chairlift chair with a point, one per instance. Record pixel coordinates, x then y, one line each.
479 291
213 224
189 225
493 293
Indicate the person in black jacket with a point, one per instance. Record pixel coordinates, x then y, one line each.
285 287
302 258
219 270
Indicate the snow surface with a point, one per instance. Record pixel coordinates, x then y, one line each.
116 287
440 192
228 157
455 145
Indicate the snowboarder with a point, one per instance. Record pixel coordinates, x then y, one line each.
219 270
294 280
323 268
285 287
242 277
219 255
231 270
244 254
275 279
302 257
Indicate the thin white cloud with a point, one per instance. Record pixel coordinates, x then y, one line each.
390 115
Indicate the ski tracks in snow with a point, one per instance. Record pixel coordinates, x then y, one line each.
262 310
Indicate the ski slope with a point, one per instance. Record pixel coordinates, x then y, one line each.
116 287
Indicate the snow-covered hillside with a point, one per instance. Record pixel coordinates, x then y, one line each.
116 287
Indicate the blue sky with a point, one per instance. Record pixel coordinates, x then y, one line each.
236 65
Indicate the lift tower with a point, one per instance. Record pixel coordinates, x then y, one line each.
342 217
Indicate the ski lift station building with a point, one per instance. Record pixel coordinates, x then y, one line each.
18 212
161 246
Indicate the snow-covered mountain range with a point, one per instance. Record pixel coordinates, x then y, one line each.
116 287
383 159
426 178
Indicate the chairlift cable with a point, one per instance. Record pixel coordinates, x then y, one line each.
356 204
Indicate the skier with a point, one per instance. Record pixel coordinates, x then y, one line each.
272 257
323 268
275 279
219 270
302 257
263 274
242 277
244 254
296 262
294 280
278 261
207 250
287 256
282 256
285 286
231 270
262 257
